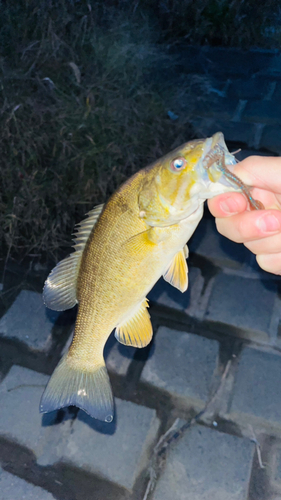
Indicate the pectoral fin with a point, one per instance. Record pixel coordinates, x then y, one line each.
136 331
176 274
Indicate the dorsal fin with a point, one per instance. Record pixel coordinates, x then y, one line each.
59 291
136 330
84 228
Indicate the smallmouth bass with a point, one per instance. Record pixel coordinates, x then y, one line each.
121 250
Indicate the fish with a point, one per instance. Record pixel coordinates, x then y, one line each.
121 250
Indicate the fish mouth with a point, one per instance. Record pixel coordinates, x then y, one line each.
212 167
215 146
216 161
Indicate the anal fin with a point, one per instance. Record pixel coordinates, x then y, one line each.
176 274
137 330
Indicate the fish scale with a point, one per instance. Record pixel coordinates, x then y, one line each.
121 250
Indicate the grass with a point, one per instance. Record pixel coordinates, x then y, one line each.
79 117
79 113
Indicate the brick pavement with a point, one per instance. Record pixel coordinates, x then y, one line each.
232 91
210 381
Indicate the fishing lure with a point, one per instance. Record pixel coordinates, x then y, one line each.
217 155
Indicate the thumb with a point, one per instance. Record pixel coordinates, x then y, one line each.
261 172
227 204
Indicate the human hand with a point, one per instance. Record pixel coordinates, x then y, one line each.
259 230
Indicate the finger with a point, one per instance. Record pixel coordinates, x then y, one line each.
270 262
249 226
270 245
261 172
227 204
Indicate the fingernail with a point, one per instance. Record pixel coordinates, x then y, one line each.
268 223
229 206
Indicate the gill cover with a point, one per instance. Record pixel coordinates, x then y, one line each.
165 196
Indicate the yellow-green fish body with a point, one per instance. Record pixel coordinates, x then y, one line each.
122 249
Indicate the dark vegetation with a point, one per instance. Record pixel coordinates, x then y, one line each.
79 110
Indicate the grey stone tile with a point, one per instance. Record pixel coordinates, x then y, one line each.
277 93
221 108
257 388
250 88
20 420
182 364
271 138
239 132
118 357
262 112
208 243
117 451
166 295
229 61
205 465
242 302
272 66
266 482
15 488
277 471
28 321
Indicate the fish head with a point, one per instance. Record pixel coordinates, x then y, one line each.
177 184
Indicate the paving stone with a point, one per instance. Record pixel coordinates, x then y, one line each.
208 243
257 388
166 295
252 88
245 63
230 61
118 357
277 471
182 364
272 66
28 321
20 420
189 59
201 88
277 93
240 132
244 303
204 465
271 138
262 112
265 482
222 108
15 488
117 451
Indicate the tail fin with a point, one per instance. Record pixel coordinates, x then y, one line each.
89 390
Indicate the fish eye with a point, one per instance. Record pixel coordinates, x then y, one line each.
178 164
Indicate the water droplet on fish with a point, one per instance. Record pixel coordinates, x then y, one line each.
82 392
215 424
